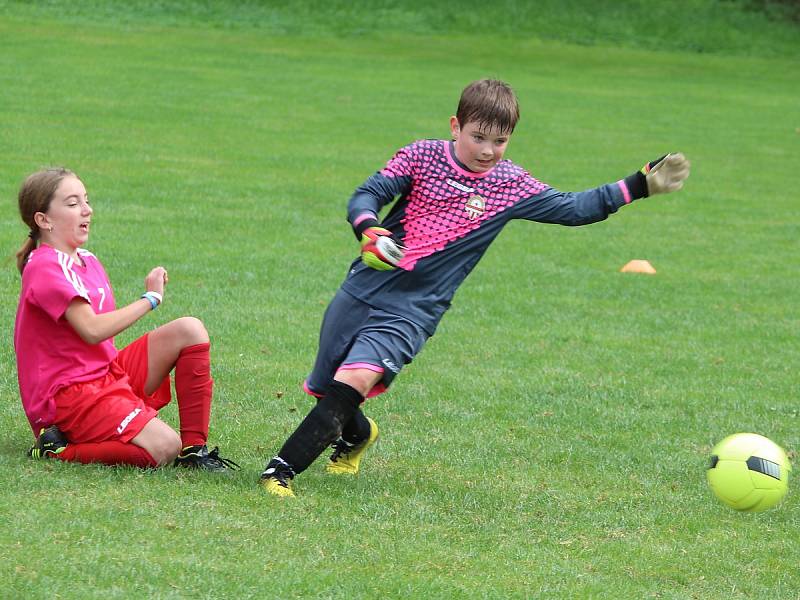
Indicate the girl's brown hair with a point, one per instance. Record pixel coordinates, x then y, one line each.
35 196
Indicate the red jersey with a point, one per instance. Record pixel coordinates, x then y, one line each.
50 353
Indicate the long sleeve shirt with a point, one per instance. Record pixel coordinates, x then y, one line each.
447 216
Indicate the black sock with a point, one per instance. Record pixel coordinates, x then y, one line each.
321 427
357 429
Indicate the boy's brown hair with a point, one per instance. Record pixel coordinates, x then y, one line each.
489 102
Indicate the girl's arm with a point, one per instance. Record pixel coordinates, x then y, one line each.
94 328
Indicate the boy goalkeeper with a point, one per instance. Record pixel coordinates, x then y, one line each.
455 196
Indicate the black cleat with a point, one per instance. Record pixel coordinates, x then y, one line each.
49 443
198 457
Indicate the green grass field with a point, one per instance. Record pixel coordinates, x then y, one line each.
552 438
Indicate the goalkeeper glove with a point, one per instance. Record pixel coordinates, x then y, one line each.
380 248
660 176
666 174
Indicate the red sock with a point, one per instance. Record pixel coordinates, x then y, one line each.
108 453
193 387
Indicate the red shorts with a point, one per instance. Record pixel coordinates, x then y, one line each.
114 406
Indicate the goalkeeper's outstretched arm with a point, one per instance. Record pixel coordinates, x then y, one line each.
661 176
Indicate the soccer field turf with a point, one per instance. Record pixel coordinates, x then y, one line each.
550 441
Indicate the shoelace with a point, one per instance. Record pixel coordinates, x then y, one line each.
280 473
280 478
341 447
227 462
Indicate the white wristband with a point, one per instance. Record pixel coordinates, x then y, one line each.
154 298
157 296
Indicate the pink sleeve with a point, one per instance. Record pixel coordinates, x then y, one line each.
53 284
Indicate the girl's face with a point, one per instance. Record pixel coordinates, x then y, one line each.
65 225
478 148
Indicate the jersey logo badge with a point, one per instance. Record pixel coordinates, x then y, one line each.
475 207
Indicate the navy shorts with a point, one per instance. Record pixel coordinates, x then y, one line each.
355 335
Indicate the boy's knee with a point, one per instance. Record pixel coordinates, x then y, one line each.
362 380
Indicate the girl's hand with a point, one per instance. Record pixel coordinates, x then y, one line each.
156 280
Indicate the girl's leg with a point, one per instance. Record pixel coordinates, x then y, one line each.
165 345
107 422
160 441
184 345
51 443
157 444
108 453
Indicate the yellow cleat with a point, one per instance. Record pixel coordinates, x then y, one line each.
274 486
277 478
346 458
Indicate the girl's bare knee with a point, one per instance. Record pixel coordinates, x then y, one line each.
161 441
192 330
166 448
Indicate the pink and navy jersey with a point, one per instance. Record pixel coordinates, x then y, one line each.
447 216
50 354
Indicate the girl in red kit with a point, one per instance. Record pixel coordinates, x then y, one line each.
85 401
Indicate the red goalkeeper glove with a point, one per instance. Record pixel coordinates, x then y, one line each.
380 248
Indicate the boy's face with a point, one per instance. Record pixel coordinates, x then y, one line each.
478 147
